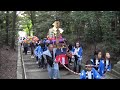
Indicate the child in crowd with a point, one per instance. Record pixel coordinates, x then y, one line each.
105 64
96 59
90 72
77 53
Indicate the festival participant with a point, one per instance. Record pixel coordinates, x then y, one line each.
59 51
77 53
61 58
96 59
35 52
70 47
20 41
38 53
32 46
37 43
90 72
63 54
25 44
44 48
105 64
49 56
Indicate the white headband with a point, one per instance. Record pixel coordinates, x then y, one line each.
89 65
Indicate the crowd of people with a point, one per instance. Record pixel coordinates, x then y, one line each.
97 66
48 55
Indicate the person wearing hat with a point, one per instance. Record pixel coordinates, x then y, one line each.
90 72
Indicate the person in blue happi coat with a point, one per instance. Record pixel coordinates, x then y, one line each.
105 64
77 53
90 72
44 48
38 53
96 58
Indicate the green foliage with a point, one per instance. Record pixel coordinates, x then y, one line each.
25 23
87 26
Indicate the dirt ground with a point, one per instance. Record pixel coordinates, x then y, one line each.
8 63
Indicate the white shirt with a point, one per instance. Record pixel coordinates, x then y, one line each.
89 74
61 50
76 51
107 63
97 62
63 60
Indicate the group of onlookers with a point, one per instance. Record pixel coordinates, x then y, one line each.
46 55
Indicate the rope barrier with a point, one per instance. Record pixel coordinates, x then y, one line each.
70 69
75 72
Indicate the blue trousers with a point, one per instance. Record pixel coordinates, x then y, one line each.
77 65
53 73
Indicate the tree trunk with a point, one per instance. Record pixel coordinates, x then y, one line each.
29 30
13 30
115 21
94 41
32 15
77 32
7 27
0 54
81 29
98 24
119 22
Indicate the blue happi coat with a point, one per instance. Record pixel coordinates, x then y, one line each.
72 50
93 61
95 74
38 51
60 51
79 54
44 41
102 67
44 47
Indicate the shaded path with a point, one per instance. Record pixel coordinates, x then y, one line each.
34 72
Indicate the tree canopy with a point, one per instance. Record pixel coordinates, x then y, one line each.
90 27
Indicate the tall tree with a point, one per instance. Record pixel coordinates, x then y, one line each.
13 29
32 16
7 26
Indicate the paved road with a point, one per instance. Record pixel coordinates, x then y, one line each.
34 72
